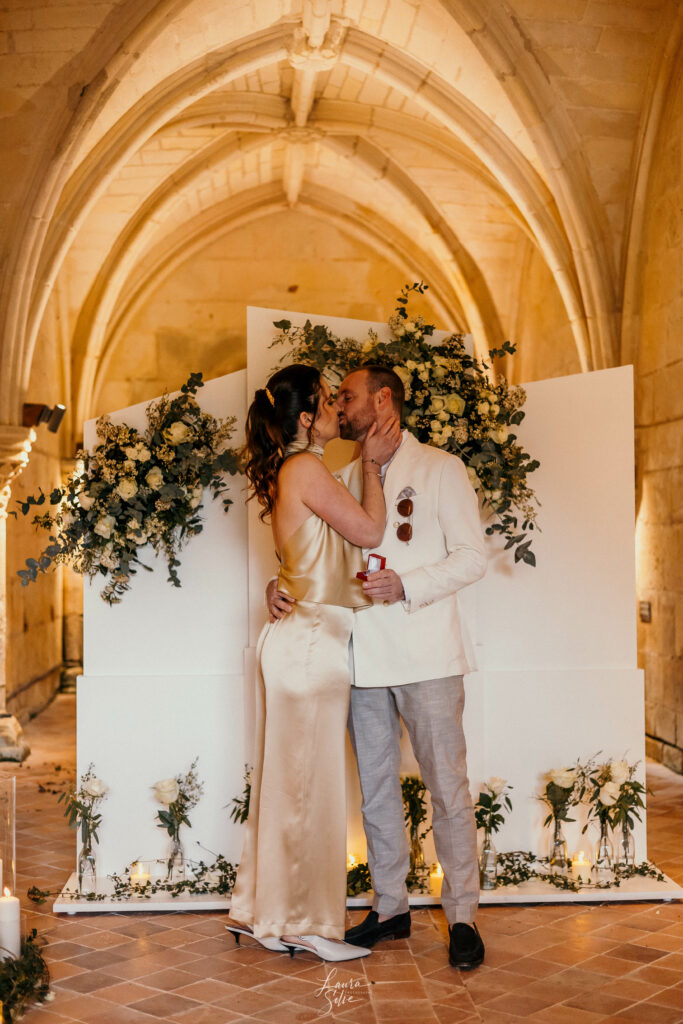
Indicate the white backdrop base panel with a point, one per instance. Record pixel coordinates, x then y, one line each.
632 890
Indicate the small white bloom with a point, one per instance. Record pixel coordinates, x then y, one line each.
409 326
563 777
177 433
399 332
104 526
166 791
411 420
127 488
438 403
95 787
483 408
86 501
455 405
439 372
620 772
609 794
155 478
436 426
447 431
499 434
443 416
496 785
495 408
410 364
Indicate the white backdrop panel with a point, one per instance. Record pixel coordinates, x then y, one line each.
139 729
576 609
199 628
163 676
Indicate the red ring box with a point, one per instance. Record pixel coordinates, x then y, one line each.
375 563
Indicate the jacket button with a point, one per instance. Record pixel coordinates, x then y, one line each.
396 526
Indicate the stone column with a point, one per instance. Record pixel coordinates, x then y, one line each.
15 446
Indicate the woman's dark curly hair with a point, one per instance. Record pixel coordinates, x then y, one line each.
273 423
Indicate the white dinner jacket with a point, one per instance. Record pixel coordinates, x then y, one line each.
420 638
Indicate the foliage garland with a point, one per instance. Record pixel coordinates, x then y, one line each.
136 488
451 402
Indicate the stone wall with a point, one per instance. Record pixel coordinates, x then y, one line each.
659 437
35 613
197 319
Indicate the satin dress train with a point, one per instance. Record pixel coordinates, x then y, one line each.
292 876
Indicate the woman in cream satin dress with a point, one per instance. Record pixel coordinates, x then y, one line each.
290 891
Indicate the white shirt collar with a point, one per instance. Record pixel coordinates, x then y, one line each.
384 468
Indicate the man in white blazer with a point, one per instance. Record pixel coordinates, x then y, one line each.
409 660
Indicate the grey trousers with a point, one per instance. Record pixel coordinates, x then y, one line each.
432 712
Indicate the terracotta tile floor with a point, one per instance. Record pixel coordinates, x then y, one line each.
551 964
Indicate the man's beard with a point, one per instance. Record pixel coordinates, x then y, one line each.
357 428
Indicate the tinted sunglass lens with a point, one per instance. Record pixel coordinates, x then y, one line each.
404 531
405 507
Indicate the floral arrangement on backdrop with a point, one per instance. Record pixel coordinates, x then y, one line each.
136 488
179 795
562 791
492 800
452 402
81 811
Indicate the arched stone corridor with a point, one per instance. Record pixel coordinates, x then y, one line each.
166 163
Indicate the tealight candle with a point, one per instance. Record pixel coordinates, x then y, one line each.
10 922
436 880
351 861
581 868
140 877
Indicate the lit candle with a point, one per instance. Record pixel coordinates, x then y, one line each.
581 868
10 938
140 877
436 880
351 861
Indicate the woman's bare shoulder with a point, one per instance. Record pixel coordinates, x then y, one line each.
303 464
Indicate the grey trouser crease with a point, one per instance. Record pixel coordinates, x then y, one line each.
432 712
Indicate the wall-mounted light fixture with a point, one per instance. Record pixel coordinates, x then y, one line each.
35 414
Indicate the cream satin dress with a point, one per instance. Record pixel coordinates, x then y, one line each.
292 876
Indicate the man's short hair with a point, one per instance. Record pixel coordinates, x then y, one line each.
384 377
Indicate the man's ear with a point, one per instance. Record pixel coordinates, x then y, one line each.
382 399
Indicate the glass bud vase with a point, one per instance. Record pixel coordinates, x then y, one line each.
603 867
87 868
417 857
175 861
558 850
626 848
488 871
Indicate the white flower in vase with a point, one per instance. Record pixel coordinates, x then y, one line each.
166 791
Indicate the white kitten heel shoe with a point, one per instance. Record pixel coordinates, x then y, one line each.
268 942
326 949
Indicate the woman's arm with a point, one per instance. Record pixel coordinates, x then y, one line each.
305 479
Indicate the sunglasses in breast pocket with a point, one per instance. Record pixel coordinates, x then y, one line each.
405 506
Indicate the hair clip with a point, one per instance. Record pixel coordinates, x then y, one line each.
270 397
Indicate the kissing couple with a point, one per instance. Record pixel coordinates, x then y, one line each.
339 651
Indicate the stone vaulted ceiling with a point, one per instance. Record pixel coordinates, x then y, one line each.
449 134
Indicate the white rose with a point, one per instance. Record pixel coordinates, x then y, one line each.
409 326
410 364
196 496
563 777
166 791
619 771
443 416
455 405
499 434
155 478
438 403
104 526
483 408
95 788
144 454
439 372
177 432
609 794
127 488
495 409
496 785
411 420
447 431
436 426
472 474
423 375
86 501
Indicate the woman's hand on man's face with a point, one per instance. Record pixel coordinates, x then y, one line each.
382 441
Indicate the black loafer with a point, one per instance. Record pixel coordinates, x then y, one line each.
371 930
465 949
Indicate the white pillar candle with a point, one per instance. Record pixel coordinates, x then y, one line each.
139 877
10 926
